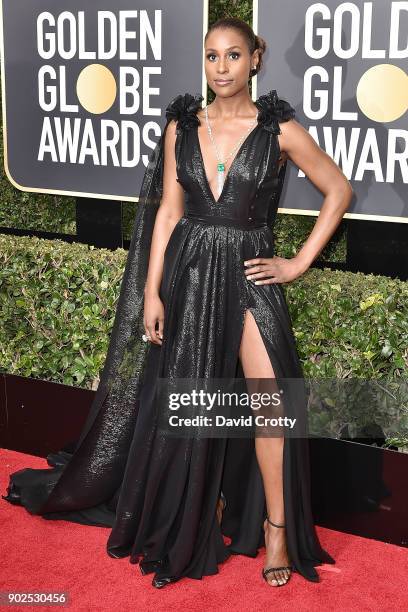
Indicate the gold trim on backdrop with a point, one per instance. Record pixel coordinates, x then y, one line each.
315 213
99 196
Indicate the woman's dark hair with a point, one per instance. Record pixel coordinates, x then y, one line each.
253 40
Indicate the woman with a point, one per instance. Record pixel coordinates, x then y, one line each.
203 314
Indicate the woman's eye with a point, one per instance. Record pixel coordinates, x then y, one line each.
237 55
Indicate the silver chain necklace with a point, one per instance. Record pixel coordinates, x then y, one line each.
221 164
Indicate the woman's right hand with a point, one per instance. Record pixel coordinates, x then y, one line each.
153 314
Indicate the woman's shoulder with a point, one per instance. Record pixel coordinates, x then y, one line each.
273 110
183 109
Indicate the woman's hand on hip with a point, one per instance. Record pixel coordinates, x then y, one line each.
269 270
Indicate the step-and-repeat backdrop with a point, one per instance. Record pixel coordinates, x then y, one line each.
343 66
85 86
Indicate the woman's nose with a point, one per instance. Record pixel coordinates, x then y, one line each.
222 66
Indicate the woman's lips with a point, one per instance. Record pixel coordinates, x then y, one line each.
222 83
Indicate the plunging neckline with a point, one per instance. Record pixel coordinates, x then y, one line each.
238 153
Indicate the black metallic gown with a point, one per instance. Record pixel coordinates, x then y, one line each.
158 493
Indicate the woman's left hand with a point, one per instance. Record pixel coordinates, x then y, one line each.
268 270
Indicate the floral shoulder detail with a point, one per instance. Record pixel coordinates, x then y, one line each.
273 110
183 109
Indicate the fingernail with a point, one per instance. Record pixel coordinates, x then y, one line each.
246 263
249 277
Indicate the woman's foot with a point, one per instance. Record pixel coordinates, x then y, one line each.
222 502
277 570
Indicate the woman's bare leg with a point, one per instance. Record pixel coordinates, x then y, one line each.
269 451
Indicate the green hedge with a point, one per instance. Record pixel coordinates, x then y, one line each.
350 324
57 303
58 300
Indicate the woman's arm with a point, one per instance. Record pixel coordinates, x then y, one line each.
170 211
326 175
297 144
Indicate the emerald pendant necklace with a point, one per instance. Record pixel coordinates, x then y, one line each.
221 164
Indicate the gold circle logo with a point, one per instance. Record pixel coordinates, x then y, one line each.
96 89
382 93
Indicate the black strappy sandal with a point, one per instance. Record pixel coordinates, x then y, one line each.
268 570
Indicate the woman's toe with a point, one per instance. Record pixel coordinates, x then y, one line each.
286 574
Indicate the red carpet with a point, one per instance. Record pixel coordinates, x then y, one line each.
58 556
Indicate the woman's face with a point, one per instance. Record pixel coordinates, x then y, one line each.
227 61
